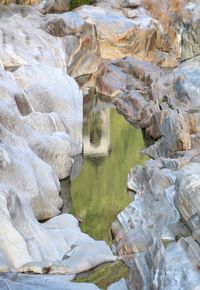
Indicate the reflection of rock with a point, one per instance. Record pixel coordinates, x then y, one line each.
101 146
66 195
77 166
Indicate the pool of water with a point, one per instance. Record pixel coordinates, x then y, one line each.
97 190
111 147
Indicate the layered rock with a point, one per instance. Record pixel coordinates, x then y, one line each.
119 36
150 235
157 235
30 35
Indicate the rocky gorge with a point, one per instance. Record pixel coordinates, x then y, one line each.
142 56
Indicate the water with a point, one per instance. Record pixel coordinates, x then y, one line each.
98 190
111 148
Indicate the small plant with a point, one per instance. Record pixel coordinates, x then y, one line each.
77 3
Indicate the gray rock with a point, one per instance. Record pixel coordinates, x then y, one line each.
40 130
42 282
53 6
187 198
146 232
119 285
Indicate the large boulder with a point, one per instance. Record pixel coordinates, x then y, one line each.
26 41
120 36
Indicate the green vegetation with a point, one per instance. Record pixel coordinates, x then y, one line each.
105 275
77 3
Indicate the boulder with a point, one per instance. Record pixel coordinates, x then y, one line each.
119 36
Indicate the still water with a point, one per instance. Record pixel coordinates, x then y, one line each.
111 147
98 189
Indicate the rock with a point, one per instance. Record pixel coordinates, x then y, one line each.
54 6
119 285
134 228
190 32
50 282
187 253
26 2
136 37
180 86
122 3
130 106
186 198
58 246
58 95
176 131
144 235
45 145
40 130
31 34
125 75
79 41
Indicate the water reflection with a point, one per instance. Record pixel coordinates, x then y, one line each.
96 133
66 195
111 148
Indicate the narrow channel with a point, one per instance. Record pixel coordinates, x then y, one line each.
99 186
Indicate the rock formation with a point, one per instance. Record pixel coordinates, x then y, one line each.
144 57
41 113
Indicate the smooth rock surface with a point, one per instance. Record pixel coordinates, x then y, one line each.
50 282
41 113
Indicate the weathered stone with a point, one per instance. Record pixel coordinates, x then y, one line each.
137 36
31 34
47 6
187 197
152 262
121 3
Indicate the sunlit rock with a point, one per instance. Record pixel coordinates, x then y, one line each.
31 38
47 6
119 36
51 91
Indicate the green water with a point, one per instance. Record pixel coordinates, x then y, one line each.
99 193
